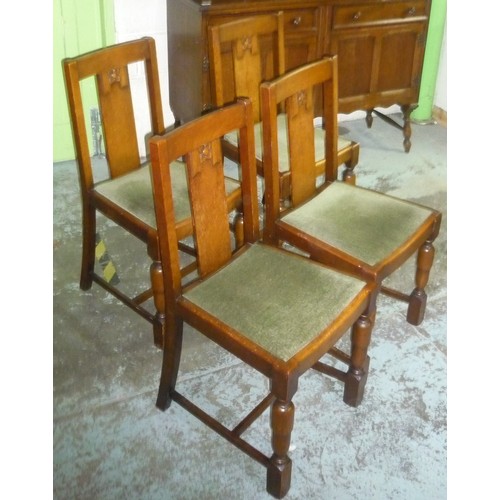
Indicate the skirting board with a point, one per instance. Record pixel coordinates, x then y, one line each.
440 115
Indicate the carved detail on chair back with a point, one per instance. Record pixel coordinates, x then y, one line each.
302 98
205 152
114 75
243 54
247 43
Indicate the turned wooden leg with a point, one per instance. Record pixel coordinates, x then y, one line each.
238 225
170 366
156 275
369 118
360 361
285 191
418 298
348 176
88 245
279 471
407 109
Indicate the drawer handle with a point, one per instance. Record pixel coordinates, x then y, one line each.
412 11
356 16
297 20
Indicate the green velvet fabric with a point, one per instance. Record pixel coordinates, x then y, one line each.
363 223
134 193
284 163
278 300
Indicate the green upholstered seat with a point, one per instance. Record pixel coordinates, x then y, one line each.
279 302
284 164
363 223
133 192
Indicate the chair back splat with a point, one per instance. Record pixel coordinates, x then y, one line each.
205 175
275 310
359 231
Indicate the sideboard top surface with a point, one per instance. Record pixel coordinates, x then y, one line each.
238 4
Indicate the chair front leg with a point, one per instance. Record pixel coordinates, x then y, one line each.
156 275
238 228
88 245
357 373
279 471
171 359
348 176
418 298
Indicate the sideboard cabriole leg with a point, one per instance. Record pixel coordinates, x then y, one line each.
369 118
407 109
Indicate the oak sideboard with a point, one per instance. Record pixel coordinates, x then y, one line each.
380 46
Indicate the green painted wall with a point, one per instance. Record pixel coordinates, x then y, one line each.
431 62
79 26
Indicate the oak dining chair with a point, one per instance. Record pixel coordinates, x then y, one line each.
275 310
125 196
360 231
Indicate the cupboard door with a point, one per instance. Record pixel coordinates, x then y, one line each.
356 52
401 58
379 66
300 50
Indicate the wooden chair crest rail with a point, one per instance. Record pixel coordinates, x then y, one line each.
125 197
359 231
277 311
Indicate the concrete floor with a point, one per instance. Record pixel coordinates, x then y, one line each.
110 441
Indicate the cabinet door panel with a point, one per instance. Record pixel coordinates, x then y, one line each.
401 57
356 62
300 50
377 62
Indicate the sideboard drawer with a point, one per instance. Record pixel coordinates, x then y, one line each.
361 14
300 19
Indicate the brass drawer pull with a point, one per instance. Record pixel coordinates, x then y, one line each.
356 16
297 20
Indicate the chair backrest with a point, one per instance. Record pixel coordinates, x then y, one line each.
294 90
199 142
244 53
109 67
